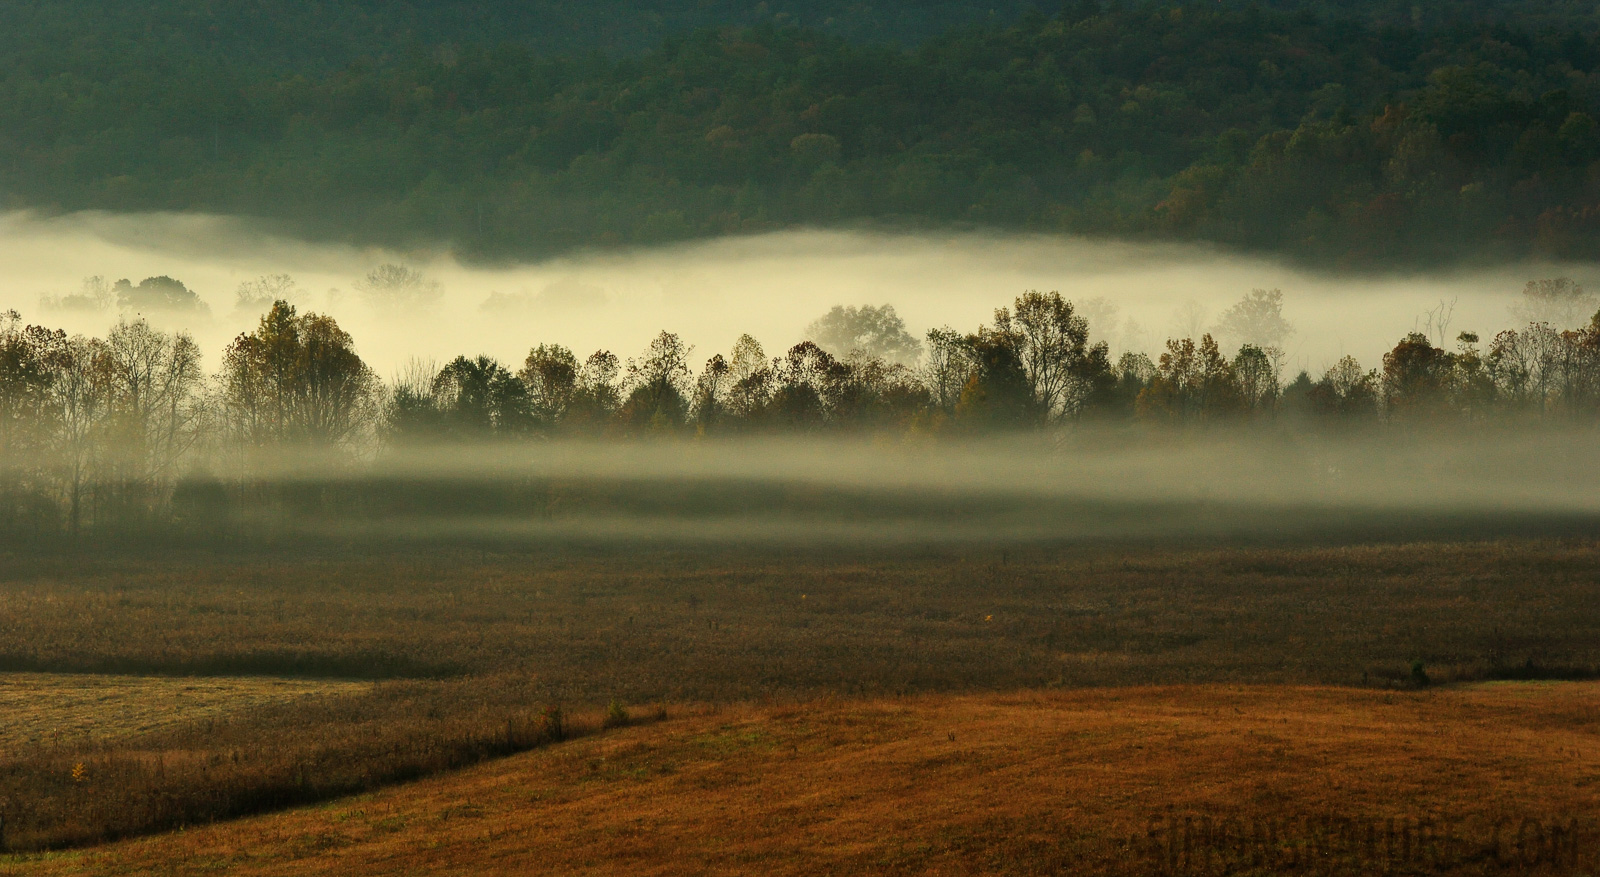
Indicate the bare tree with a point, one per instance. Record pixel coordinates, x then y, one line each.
255 295
1435 323
1258 378
410 411
392 285
948 367
1189 320
1559 301
155 416
749 380
83 394
1257 319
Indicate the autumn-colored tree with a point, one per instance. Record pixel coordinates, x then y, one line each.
1193 384
597 394
29 357
750 380
550 374
1417 379
1473 390
296 380
803 384
1346 391
658 384
870 393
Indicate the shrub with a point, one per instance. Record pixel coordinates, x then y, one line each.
554 724
616 715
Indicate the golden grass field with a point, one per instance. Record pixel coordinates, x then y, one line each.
1116 780
44 709
1025 709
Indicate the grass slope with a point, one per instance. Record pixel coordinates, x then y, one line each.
1096 781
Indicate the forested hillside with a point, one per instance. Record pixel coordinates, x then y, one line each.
285 34
1356 140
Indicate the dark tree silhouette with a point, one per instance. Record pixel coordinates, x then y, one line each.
478 398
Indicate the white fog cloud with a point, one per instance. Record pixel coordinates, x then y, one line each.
770 286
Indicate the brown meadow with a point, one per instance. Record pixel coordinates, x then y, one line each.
1484 779
468 652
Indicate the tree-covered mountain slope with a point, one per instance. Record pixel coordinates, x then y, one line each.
281 34
1318 135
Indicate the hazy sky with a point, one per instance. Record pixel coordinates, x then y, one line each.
771 286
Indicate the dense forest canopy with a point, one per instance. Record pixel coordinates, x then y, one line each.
1353 135
285 34
72 35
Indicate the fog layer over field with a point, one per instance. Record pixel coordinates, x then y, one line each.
771 286
1091 484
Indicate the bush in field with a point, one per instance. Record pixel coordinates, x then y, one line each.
553 724
616 715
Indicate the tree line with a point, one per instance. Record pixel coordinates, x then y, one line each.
97 433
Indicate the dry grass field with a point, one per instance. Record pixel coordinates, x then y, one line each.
55 709
644 624
467 656
1495 778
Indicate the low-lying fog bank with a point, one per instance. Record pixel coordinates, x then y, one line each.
1490 469
770 286
1092 484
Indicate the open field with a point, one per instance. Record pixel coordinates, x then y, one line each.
468 655
1462 780
722 624
43 709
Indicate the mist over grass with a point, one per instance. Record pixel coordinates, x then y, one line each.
1096 484
770 286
